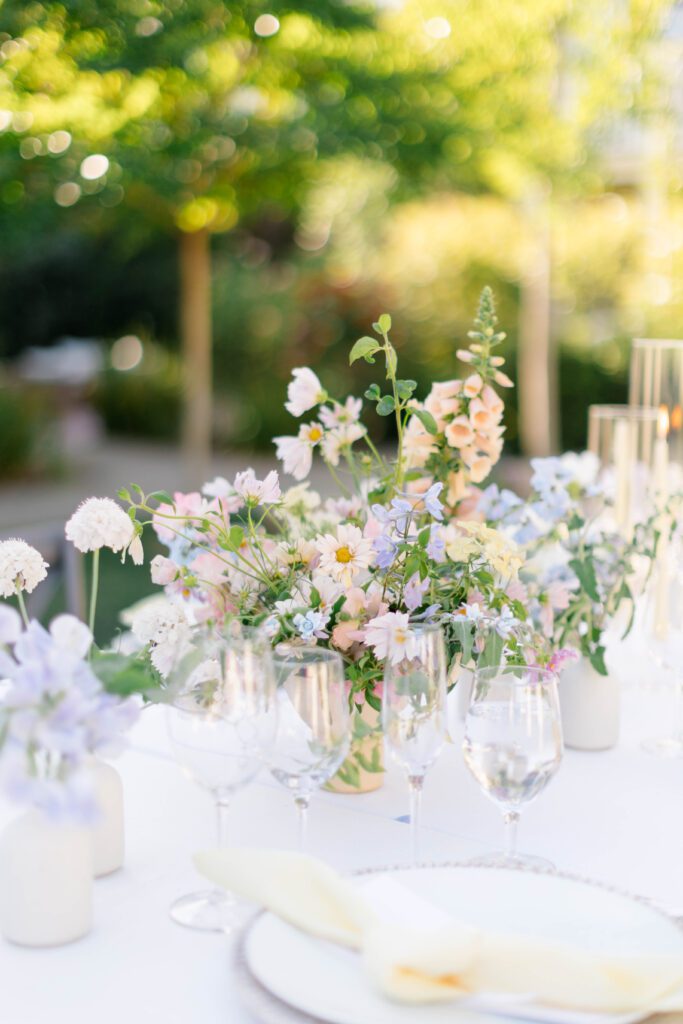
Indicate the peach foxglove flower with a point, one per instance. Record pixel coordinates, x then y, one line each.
465 356
502 379
21 566
472 385
304 391
481 417
459 433
492 401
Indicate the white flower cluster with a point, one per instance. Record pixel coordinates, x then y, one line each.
21 567
101 523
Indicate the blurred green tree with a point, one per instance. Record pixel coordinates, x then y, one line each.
193 116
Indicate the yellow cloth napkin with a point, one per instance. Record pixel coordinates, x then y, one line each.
450 961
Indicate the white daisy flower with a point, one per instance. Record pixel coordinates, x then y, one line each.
345 555
258 492
21 567
349 412
297 452
338 438
391 637
100 523
304 391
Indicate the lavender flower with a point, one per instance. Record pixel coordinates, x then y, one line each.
414 592
54 713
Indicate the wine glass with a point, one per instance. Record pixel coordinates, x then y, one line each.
663 634
414 714
314 724
221 719
513 743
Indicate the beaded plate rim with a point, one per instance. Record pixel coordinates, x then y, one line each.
270 1009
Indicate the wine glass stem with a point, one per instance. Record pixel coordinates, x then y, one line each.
511 821
415 783
302 803
222 808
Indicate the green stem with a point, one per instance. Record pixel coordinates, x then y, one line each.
95 583
22 606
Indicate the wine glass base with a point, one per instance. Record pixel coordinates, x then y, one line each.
518 860
663 747
208 911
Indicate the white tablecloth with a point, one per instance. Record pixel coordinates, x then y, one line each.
612 816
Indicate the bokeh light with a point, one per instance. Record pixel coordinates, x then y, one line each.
94 167
127 353
266 25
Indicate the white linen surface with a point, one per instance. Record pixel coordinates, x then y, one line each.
611 816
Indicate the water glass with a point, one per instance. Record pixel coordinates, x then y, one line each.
513 742
414 715
221 721
314 723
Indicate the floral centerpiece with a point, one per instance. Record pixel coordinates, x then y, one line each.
396 545
581 574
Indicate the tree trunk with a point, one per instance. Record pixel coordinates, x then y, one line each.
195 332
537 359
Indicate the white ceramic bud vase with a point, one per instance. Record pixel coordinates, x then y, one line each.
590 705
108 831
45 881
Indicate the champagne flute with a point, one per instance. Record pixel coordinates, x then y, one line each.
513 743
663 634
314 724
221 721
414 714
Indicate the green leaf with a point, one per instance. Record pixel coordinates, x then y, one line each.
123 494
405 388
384 323
597 660
427 420
392 361
492 654
423 536
373 393
235 538
386 406
315 598
373 700
585 573
464 633
161 496
364 348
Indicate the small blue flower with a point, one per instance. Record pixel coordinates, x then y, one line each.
385 549
311 625
436 547
505 622
431 501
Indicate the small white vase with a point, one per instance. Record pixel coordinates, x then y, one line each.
108 839
590 705
45 881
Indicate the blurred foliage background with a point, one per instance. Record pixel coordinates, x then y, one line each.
293 169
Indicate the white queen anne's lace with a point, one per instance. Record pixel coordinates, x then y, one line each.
100 523
21 567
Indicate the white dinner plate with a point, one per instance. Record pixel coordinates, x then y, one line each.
327 982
